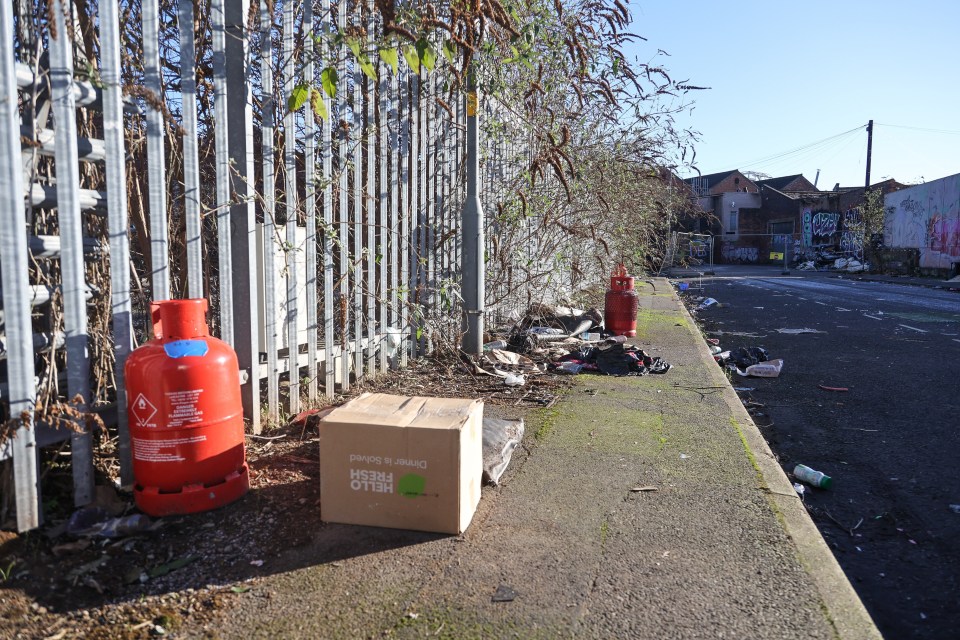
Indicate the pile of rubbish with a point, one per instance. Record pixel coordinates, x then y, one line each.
850 265
563 340
749 362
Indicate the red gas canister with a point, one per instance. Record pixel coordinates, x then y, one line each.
620 304
185 415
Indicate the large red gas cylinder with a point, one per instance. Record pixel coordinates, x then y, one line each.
620 304
185 415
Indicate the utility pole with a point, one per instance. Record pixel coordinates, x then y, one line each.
869 152
472 260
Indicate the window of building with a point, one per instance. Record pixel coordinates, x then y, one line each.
733 222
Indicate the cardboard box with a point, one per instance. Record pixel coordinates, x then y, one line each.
402 462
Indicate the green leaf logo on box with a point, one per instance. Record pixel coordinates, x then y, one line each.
411 485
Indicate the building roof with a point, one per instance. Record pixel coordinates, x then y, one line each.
711 178
783 182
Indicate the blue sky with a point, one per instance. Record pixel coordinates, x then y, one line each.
786 75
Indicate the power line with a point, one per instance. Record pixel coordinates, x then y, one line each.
903 126
800 149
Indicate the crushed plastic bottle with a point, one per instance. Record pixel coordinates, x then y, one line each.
814 478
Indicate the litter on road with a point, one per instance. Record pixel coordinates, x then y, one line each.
799 331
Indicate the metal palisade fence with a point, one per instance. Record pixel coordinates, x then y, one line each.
252 155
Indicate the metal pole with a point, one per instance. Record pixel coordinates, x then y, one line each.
869 151
310 211
14 258
473 240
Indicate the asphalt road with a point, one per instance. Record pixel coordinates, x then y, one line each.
890 442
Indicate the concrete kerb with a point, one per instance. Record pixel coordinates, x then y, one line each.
843 607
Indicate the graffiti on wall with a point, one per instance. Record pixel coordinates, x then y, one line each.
825 224
807 228
732 253
851 239
926 217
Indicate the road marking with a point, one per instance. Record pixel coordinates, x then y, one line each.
842 309
955 340
906 326
874 317
823 303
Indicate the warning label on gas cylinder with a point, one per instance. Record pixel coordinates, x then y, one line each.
154 450
183 407
143 410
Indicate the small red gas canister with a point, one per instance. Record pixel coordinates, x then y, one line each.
620 304
185 415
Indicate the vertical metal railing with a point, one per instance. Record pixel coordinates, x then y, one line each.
191 161
14 254
156 164
268 245
73 272
310 202
118 221
291 198
329 341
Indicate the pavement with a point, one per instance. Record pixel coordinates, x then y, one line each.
638 507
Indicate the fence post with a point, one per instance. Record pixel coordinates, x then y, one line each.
223 178
473 236
156 172
16 299
118 221
329 362
290 187
268 244
243 232
310 207
73 273
191 163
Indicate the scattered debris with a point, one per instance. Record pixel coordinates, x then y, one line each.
744 389
818 479
643 489
769 369
826 388
96 521
799 488
709 302
955 508
504 594
799 331
512 380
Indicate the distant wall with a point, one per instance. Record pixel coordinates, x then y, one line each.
926 217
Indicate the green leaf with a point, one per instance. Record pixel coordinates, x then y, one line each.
391 58
328 77
299 97
412 57
367 67
239 589
450 50
428 57
318 105
354 45
419 333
